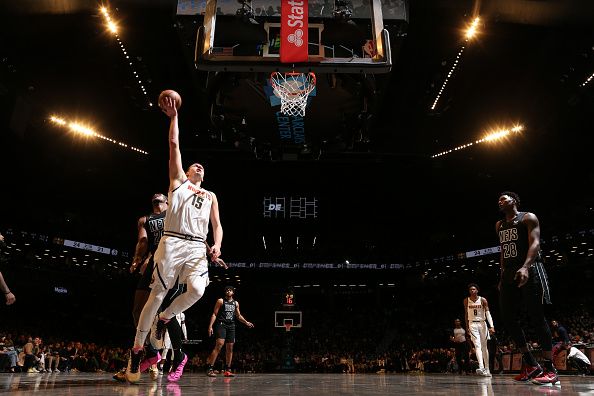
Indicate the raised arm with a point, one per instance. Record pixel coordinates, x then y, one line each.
217 228
176 171
241 318
141 245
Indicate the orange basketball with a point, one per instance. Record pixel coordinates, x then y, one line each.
173 95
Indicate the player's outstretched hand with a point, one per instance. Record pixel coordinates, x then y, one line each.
210 332
168 107
250 325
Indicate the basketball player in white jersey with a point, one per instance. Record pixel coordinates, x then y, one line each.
478 316
182 249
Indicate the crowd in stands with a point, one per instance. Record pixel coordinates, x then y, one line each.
374 329
329 347
30 354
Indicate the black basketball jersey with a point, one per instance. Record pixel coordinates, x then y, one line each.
226 313
154 226
513 239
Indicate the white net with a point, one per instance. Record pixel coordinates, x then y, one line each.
293 90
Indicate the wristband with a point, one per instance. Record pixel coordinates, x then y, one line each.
8 292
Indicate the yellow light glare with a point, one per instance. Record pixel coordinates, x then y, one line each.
89 132
112 27
472 29
58 120
497 135
76 127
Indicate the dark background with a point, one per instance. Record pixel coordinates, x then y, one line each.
385 201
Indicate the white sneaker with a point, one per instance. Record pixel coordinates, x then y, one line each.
483 372
56 370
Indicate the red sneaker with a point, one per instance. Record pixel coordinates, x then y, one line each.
548 378
528 372
229 374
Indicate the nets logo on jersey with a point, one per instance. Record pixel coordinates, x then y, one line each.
156 225
511 234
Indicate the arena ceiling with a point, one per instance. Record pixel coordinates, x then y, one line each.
529 65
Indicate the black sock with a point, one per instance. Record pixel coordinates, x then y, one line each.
548 364
178 356
529 359
175 333
151 351
167 364
210 367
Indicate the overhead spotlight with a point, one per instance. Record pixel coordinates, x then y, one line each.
246 12
342 10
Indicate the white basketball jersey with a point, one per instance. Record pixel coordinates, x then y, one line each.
188 212
476 311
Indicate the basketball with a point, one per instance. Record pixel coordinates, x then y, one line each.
173 95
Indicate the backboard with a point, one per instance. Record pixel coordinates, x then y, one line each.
287 319
244 36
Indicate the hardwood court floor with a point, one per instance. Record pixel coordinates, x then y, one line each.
86 384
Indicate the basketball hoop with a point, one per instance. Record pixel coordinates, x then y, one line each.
288 327
293 89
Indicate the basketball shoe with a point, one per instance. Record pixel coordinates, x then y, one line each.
158 329
228 373
528 372
120 375
176 374
151 357
133 370
548 378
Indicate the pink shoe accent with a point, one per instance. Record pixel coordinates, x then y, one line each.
148 362
174 388
176 375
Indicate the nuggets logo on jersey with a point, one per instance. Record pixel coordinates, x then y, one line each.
476 311
189 211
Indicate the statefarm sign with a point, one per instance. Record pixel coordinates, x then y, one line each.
293 46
